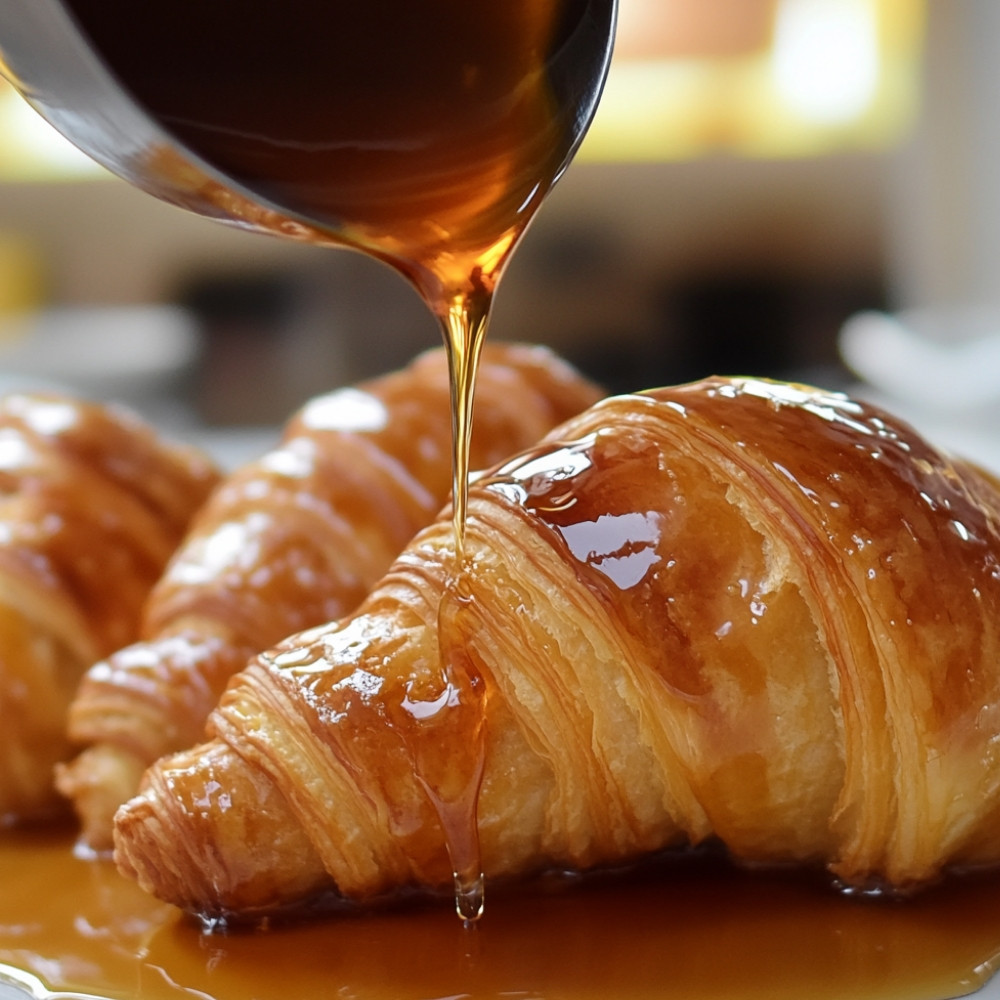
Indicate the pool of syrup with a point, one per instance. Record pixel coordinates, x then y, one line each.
688 927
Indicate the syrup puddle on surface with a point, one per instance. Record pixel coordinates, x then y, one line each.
689 928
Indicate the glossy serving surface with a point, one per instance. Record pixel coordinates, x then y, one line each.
688 928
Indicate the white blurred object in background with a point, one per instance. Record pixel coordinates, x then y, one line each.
134 354
139 356
937 368
947 361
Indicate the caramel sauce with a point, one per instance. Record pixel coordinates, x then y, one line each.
688 927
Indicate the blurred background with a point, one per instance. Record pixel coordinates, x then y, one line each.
802 189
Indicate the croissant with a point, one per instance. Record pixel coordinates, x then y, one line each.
292 540
92 504
736 610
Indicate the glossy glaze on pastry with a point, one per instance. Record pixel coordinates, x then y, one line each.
292 540
92 505
738 609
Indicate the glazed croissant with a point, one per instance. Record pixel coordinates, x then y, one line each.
292 540
736 609
92 504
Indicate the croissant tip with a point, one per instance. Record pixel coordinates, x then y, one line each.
159 844
140 837
138 828
211 834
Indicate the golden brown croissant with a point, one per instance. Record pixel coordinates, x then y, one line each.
292 540
92 504
736 609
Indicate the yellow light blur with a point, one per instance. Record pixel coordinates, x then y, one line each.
32 150
825 59
830 75
690 78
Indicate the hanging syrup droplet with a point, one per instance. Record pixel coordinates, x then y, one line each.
459 813
441 722
470 896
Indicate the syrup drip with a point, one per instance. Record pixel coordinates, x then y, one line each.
470 896
459 818
451 716
464 326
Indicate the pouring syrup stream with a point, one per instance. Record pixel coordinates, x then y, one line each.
428 138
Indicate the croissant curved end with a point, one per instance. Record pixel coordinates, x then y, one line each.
211 829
